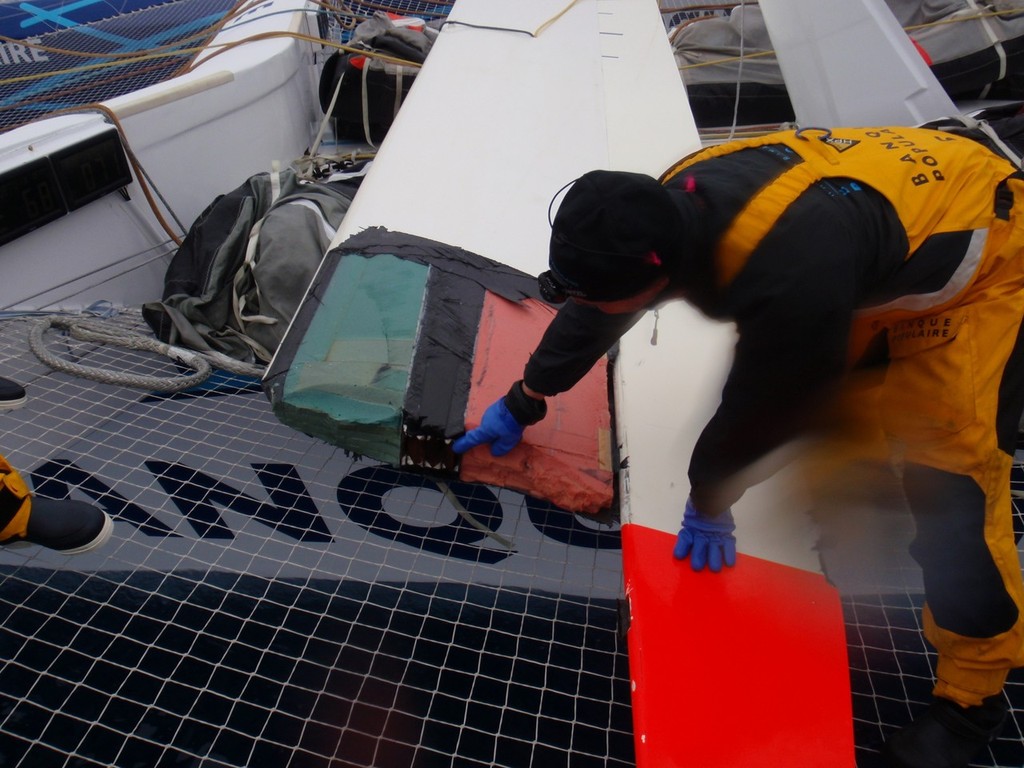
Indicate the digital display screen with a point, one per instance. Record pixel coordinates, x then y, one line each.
45 189
91 169
29 198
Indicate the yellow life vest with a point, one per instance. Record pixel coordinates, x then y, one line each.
937 182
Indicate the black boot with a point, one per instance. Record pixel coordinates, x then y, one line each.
947 735
68 526
12 394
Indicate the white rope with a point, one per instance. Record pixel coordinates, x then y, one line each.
94 330
366 102
994 38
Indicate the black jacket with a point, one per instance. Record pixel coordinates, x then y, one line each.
834 249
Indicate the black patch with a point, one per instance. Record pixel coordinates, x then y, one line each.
962 583
927 270
442 363
840 145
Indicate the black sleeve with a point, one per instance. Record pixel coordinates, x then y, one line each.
773 393
793 306
572 344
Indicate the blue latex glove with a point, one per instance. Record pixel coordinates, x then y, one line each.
707 540
498 427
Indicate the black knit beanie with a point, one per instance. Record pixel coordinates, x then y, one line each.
615 233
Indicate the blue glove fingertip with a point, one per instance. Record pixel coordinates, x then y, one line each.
715 558
683 543
471 439
712 543
497 427
699 555
730 552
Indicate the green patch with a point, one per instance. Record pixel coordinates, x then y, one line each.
348 379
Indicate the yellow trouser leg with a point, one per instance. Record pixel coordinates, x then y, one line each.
951 404
973 618
951 401
15 503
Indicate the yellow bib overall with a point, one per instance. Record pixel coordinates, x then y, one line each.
952 395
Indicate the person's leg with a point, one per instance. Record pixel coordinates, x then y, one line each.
66 525
954 402
973 589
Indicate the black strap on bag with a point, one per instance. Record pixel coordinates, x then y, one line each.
365 94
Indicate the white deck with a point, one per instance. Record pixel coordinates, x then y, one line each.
477 152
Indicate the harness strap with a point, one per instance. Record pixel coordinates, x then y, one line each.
757 219
399 84
1004 196
366 103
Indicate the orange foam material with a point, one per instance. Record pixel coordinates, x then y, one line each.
747 667
564 459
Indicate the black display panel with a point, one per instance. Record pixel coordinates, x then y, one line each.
29 198
91 169
45 189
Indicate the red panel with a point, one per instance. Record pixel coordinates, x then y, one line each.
739 669
566 458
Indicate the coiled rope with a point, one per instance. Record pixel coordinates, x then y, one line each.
99 331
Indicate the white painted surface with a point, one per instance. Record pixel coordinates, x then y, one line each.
665 393
849 63
498 121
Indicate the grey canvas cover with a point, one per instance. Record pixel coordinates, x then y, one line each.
244 266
